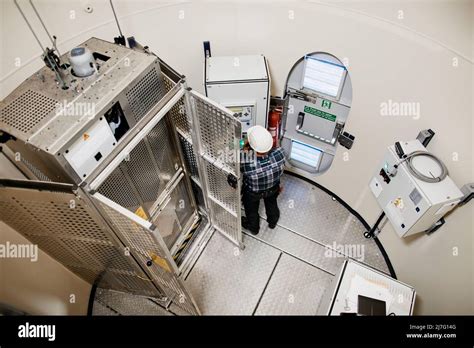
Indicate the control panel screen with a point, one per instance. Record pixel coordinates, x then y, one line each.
244 114
305 154
323 77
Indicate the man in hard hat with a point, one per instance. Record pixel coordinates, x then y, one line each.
261 167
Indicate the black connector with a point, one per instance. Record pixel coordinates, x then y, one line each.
346 140
399 150
425 136
120 40
385 176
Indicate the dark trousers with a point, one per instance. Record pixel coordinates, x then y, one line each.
251 202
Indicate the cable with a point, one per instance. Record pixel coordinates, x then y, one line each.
46 55
45 29
417 174
371 233
116 19
90 304
29 26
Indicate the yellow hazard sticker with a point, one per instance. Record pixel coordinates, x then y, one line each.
160 262
141 213
85 136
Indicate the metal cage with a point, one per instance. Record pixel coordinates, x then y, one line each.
126 221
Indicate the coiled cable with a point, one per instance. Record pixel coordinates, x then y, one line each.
419 175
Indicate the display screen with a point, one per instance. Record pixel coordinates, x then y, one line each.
323 77
305 154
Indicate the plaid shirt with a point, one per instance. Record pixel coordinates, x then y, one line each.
263 173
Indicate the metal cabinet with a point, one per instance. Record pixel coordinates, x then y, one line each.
121 224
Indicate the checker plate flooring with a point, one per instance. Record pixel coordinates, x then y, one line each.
283 271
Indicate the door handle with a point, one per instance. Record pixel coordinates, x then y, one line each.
300 120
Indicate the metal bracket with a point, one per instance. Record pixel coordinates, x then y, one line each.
374 234
207 48
468 191
337 132
435 227
346 140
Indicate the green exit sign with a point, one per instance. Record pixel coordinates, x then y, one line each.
326 104
319 113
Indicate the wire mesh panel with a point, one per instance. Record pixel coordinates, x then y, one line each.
144 174
27 111
189 155
146 93
150 250
220 133
36 171
110 302
181 119
175 215
218 142
70 230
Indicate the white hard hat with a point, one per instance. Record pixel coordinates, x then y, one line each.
260 139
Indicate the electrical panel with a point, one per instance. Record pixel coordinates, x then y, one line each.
410 204
244 113
241 84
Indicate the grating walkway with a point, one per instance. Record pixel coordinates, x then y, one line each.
283 271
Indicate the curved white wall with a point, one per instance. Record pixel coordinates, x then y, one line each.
402 51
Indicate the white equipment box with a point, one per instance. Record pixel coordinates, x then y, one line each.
410 204
241 84
355 279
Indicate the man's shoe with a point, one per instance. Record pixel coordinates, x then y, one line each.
243 221
271 226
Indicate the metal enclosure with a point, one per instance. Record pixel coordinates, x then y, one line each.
122 218
410 204
314 119
241 84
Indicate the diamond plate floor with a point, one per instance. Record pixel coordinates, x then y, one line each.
313 214
283 271
295 288
300 247
227 280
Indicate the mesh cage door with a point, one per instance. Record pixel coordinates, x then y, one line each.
146 244
216 137
69 228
